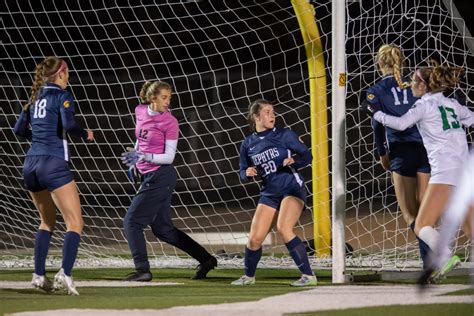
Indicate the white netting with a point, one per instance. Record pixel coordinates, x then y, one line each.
425 30
219 57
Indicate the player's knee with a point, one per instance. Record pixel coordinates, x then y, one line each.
76 224
255 242
166 234
284 230
48 225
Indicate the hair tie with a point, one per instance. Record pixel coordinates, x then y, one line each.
61 68
418 75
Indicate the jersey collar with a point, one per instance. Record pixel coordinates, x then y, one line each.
52 85
265 132
153 113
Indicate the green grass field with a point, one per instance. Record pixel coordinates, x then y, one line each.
214 290
397 310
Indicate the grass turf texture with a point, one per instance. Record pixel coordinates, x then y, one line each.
396 310
214 290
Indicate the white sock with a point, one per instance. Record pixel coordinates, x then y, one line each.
430 236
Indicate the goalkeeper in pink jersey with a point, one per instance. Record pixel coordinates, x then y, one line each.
157 135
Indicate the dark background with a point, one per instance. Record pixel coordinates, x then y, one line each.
219 56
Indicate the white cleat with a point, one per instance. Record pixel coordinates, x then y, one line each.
244 280
64 282
42 282
305 280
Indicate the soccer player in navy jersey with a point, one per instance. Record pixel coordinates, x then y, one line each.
157 133
440 120
50 115
401 152
274 154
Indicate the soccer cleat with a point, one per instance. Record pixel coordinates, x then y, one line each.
204 268
244 280
306 280
64 282
42 282
425 278
440 274
139 276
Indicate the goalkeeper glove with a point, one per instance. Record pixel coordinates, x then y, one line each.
132 156
133 174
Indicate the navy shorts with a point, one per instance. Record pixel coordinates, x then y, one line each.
408 158
275 201
46 172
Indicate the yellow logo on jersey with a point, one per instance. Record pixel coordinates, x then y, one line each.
66 104
370 96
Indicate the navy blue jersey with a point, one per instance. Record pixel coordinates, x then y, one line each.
394 101
266 151
50 118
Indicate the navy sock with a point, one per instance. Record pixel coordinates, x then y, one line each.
70 247
252 257
41 250
298 252
424 248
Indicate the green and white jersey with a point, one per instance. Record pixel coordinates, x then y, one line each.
439 120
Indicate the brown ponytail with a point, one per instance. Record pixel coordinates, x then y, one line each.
439 78
151 88
143 91
45 71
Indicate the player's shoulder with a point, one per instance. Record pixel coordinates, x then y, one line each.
141 108
433 97
280 130
57 96
248 139
374 92
66 98
285 134
170 117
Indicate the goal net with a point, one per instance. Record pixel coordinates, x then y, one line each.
424 29
219 56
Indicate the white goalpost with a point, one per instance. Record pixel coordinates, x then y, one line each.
218 56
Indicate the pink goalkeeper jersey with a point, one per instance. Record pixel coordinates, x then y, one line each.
152 131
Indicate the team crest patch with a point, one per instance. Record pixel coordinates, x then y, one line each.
370 97
66 104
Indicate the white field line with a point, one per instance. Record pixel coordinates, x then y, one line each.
317 299
79 284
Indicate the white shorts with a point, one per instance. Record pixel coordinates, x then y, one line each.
448 176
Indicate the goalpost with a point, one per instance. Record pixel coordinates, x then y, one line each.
219 57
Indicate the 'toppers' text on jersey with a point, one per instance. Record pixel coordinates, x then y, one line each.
266 151
152 131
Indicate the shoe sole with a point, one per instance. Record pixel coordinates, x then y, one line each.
47 290
61 286
242 284
304 285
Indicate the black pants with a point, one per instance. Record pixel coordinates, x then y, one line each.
152 206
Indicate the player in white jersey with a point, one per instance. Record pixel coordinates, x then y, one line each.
460 206
439 120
